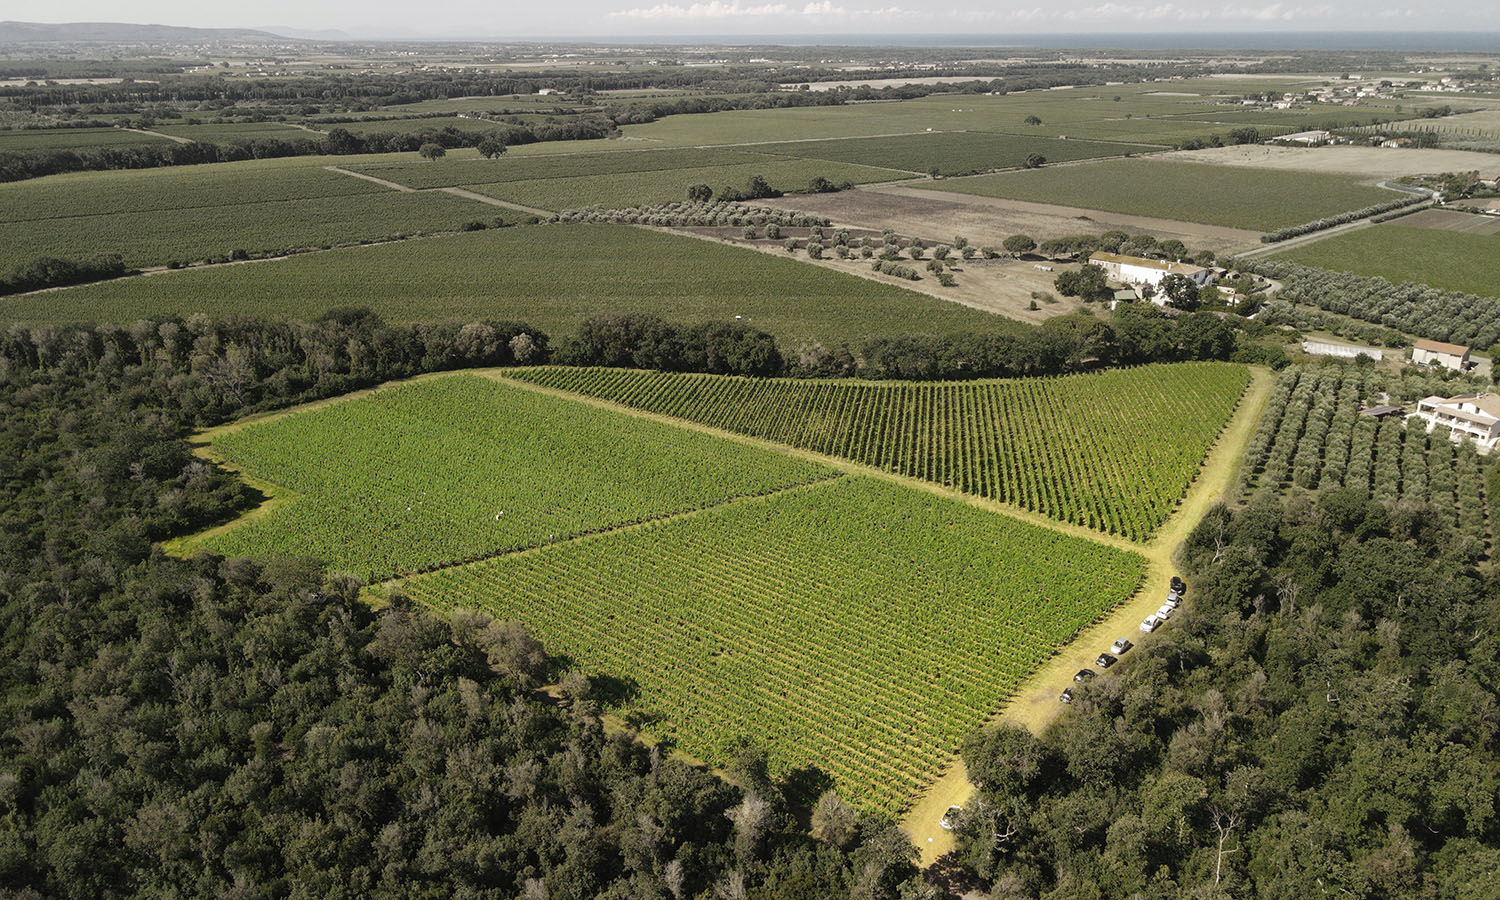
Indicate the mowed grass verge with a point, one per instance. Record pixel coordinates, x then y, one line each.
553 277
1113 451
1232 196
453 468
855 629
1450 260
187 235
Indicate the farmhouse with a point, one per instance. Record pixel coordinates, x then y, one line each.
1139 270
1437 353
1474 416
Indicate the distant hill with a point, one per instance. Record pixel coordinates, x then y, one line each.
119 32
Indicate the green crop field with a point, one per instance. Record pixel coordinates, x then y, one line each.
1112 451
232 131
412 126
855 627
949 152
159 237
453 468
451 173
170 189
645 188
73 138
1233 196
1451 260
551 276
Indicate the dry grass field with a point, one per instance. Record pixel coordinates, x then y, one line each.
990 220
1371 162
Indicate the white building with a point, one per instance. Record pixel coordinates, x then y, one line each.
1139 270
1474 416
1437 353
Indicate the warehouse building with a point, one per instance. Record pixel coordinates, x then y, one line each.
1437 353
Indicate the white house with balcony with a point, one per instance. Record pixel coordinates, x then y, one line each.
1475 416
1140 270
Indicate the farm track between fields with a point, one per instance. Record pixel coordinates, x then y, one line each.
1035 704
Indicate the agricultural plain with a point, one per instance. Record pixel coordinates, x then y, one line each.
1215 195
1443 258
853 628
553 277
948 153
1112 451
424 474
206 232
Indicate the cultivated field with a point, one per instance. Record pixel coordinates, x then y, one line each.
1113 451
74 138
187 235
165 190
647 188
1409 251
1215 195
236 131
454 172
951 152
553 277
447 469
854 628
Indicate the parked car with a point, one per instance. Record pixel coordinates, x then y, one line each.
1120 646
1066 696
1172 600
1164 612
1104 660
1083 675
949 821
1150 624
1178 585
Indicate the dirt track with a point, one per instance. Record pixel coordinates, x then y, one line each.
989 220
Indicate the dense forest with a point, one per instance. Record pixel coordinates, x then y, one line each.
1320 721
214 727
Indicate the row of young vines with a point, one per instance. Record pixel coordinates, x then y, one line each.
1113 451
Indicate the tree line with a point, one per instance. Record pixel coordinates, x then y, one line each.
228 727
1320 719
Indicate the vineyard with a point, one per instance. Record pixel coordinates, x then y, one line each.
459 467
1112 451
856 626
1312 437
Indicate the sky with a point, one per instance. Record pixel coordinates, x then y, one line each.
605 18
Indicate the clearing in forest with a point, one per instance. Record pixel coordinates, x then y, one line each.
1112 451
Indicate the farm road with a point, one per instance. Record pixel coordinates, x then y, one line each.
1035 703
455 191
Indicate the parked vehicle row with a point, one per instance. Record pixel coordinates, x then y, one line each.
1120 646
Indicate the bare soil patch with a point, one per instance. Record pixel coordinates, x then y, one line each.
1373 162
1448 220
989 221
